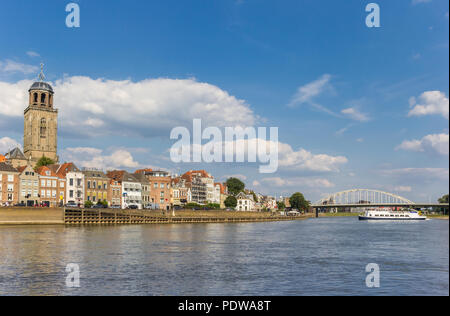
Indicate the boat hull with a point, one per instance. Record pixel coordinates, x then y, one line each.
365 218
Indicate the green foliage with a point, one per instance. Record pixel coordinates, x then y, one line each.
88 204
235 186
281 205
104 203
44 161
299 202
230 202
443 199
192 206
255 198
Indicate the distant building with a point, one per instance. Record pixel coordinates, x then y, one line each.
160 188
16 158
9 184
131 188
115 193
145 189
28 185
245 202
2 158
52 188
74 181
96 186
40 122
181 194
201 184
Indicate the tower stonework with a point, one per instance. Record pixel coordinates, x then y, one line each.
40 123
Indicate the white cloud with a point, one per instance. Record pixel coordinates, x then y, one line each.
301 160
401 188
437 143
298 182
430 103
418 173
256 183
11 67
355 114
144 107
305 160
33 54
95 158
6 144
307 92
237 176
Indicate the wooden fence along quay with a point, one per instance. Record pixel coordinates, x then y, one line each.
110 217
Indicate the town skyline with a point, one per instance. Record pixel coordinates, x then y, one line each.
340 127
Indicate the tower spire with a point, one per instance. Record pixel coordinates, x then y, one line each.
41 76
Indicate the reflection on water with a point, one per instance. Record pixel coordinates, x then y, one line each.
324 256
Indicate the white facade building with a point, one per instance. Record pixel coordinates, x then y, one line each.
131 192
75 187
245 202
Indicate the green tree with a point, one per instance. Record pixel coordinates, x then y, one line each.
230 202
255 197
299 202
281 205
88 204
44 161
443 199
104 203
235 186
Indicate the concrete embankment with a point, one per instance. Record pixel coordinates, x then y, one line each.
31 216
28 216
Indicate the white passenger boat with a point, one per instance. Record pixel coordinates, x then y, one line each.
382 214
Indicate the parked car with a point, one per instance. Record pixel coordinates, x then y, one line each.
116 207
21 204
72 205
100 206
133 207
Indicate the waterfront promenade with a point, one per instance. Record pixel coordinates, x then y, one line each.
60 216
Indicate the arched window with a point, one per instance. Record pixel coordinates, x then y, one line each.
43 128
50 100
43 98
35 97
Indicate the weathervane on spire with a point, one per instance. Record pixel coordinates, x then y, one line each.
41 75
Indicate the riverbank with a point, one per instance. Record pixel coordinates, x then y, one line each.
31 216
56 216
444 217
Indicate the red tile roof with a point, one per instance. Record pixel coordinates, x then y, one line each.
43 171
143 170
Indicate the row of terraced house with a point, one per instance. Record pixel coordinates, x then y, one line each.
60 184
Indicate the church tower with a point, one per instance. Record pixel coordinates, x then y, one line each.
40 122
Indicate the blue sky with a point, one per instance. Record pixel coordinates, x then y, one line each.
355 106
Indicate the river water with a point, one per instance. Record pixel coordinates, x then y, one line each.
325 256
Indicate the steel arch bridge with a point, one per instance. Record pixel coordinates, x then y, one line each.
362 197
